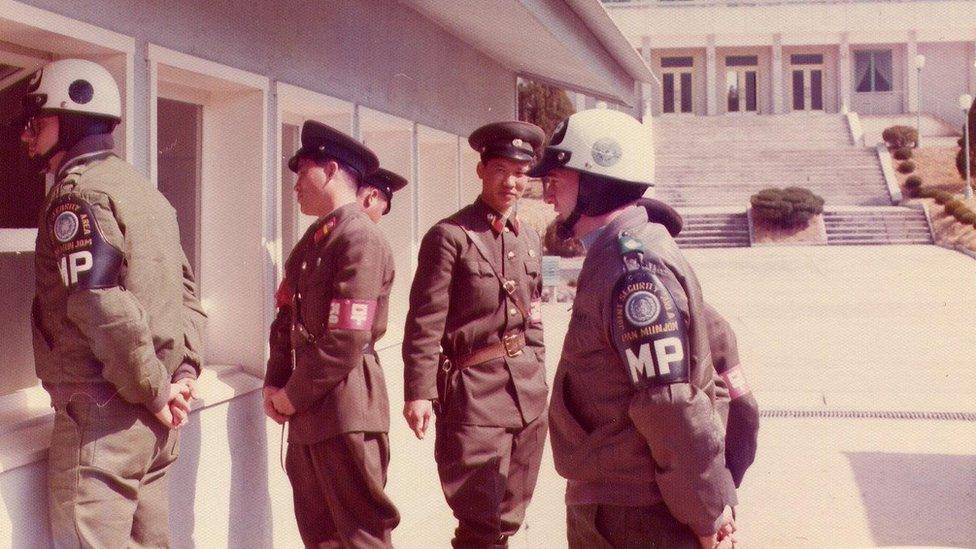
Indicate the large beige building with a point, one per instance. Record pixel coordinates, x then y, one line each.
718 57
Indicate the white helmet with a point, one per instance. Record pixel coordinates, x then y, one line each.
73 86
604 143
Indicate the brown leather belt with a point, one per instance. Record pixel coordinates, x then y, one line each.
510 346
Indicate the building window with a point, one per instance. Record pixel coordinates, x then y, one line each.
807 59
873 70
21 187
742 61
677 62
180 126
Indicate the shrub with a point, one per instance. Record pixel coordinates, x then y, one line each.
906 167
966 217
955 206
903 153
557 246
913 182
789 207
897 137
942 197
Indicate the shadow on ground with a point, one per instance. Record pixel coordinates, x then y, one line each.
917 499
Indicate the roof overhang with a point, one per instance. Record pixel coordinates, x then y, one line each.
573 44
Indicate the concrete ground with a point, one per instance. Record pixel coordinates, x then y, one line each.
823 332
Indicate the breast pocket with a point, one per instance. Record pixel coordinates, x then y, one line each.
477 268
532 268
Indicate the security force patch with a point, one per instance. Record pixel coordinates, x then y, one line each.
648 330
85 260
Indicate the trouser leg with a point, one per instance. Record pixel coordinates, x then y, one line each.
150 524
339 496
473 465
98 461
597 526
523 472
311 513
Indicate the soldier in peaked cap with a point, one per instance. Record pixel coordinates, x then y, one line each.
324 376
375 194
473 350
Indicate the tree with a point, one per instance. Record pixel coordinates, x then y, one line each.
543 105
960 163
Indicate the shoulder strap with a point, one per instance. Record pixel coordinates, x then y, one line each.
507 286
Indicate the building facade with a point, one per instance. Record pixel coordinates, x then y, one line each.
873 57
214 95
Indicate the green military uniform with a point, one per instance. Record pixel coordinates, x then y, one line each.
116 319
734 401
332 308
477 348
632 417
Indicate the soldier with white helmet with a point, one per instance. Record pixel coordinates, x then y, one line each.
632 416
116 320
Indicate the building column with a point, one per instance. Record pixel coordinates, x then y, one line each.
776 66
971 61
911 74
844 73
650 90
711 73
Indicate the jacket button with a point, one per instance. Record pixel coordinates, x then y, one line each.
304 265
511 255
531 253
512 311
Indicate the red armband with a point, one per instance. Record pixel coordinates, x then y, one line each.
735 380
283 294
352 314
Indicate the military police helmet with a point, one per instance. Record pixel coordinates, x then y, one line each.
74 86
603 143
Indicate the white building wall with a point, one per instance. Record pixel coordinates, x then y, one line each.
227 488
943 80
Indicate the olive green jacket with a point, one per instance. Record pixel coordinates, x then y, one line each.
115 296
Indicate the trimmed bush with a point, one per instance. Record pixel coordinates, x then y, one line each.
955 206
897 137
906 167
913 183
903 153
790 207
966 217
942 197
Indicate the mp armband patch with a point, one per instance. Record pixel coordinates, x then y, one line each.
648 330
85 260
352 314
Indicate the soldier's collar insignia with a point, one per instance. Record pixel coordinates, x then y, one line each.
326 228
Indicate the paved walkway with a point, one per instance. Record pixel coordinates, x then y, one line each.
824 331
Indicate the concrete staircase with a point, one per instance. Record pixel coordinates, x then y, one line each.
722 161
893 225
714 230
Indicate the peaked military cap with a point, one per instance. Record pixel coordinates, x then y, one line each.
515 140
387 182
321 142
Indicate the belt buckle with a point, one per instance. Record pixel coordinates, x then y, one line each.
446 364
512 347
